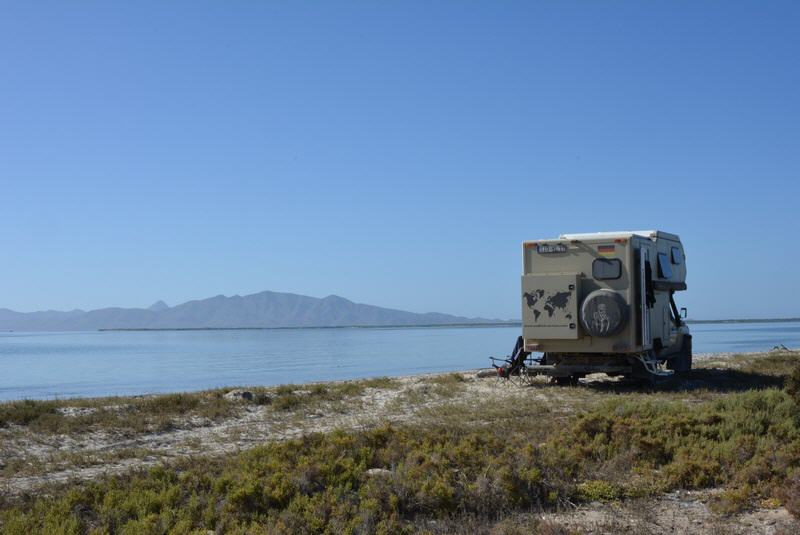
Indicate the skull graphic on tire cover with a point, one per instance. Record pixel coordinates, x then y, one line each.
604 313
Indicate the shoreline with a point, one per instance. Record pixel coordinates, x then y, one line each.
698 357
465 325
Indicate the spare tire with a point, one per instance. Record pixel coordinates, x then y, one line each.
604 313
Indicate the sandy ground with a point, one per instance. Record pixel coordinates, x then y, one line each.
674 513
55 459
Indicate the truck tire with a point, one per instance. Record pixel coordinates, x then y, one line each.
571 380
682 362
604 313
687 344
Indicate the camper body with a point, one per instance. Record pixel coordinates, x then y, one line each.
604 302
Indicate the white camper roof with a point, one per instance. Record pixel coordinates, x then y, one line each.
650 234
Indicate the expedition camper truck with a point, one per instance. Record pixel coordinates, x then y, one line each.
602 302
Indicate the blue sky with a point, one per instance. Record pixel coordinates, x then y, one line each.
392 153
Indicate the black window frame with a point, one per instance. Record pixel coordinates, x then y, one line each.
609 261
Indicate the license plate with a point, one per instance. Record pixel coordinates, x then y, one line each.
550 248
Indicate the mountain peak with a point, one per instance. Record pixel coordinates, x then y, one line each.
158 306
336 298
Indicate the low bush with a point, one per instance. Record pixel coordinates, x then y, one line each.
286 402
598 490
793 385
26 411
160 412
138 414
790 495
778 364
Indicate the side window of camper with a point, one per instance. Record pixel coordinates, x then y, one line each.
605 268
677 257
664 267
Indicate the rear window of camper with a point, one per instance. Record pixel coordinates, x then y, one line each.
664 267
605 268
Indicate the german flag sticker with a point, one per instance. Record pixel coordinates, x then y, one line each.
606 250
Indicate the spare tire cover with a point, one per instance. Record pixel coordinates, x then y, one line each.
604 313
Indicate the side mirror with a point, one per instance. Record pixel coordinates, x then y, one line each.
683 312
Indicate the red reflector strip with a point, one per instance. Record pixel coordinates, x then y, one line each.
605 248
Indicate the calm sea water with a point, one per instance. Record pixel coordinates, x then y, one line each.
46 365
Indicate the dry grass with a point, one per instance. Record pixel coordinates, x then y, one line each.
138 414
134 414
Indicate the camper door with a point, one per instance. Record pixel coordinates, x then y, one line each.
644 308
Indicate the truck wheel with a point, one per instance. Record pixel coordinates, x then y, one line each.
571 380
687 349
682 362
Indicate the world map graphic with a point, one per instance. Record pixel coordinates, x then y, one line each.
540 301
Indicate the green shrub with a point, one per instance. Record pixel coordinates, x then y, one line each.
448 379
776 364
26 411
732 500
793 385
790 495
600 491
287 402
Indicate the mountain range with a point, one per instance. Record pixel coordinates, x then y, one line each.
259 310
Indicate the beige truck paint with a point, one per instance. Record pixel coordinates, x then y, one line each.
558 276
